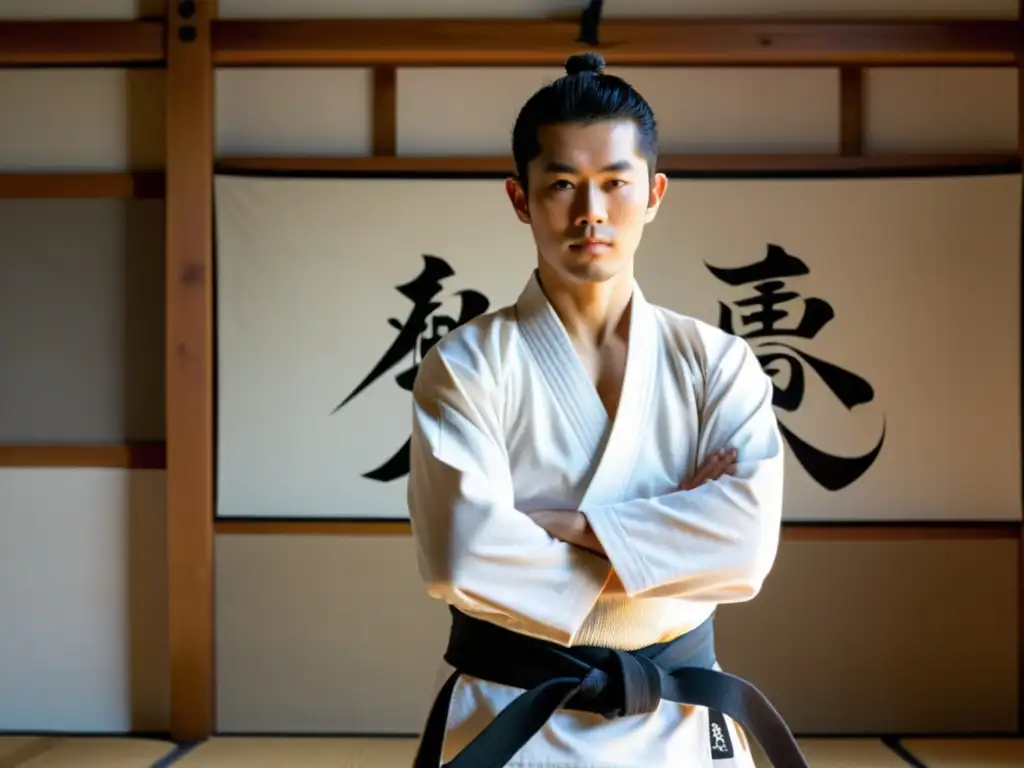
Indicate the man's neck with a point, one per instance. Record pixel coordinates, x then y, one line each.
590 312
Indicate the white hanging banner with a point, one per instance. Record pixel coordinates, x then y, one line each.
887 311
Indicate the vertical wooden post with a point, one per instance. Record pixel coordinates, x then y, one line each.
1020 541
385 111
851 111
189 361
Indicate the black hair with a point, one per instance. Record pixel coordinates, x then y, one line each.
585 94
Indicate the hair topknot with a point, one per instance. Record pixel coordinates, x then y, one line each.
584 95
585 62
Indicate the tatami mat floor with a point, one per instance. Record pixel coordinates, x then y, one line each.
272 752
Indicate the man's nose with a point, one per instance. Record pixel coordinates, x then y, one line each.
591 207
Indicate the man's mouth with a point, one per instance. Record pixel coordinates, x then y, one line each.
591 245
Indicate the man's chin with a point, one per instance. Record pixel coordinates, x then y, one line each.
582 268
597 271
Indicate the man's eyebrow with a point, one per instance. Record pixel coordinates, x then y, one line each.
556 167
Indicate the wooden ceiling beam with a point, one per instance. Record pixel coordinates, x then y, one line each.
532 42
658 42
81 43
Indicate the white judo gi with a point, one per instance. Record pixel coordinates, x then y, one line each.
507 421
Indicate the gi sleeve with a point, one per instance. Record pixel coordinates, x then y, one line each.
475 550
718 542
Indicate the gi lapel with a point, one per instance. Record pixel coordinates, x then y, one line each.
615 464
561 368
612 446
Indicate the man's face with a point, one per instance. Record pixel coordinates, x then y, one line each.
589 196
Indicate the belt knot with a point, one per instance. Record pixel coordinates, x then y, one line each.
641 684
630 685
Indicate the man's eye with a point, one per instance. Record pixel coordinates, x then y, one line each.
561 184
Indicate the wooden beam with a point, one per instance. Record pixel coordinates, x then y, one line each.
851 111
139 185
681 164
80 43
385 111
901 531
658 42
189 370
869 531
302 164
1020 533
314 527
146 455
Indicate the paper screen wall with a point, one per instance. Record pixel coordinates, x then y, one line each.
904 293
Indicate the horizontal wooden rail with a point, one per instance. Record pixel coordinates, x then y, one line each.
1008 530
659 42
139 185
149 455
710 164
81 43
539 42
150 184
306 527
844 531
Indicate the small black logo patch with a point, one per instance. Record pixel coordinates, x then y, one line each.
721 743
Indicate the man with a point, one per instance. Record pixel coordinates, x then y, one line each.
591 476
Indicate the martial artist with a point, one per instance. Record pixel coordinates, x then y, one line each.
591 476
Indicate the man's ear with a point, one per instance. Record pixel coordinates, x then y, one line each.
658 185
516 194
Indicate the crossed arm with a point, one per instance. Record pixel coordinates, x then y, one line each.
572 526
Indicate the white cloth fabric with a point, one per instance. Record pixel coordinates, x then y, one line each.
507 421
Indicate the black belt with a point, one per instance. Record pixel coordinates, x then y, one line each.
592 679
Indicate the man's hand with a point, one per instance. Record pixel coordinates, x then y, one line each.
714 466
568 525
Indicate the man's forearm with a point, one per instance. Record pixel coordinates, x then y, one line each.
587 539
570 526
579 533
